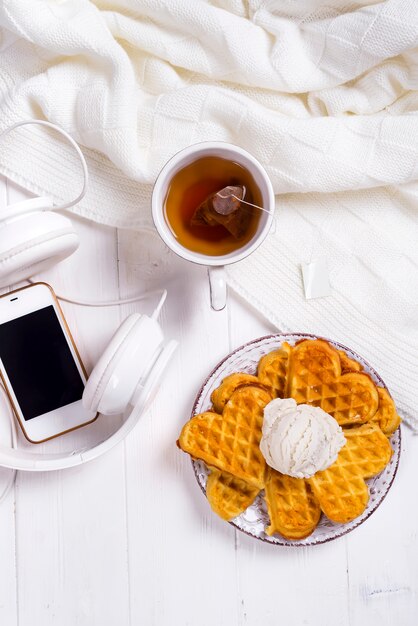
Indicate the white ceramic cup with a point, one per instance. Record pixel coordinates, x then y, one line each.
215 264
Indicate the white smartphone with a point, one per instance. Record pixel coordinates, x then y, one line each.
39 364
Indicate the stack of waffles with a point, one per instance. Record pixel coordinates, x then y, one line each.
227 438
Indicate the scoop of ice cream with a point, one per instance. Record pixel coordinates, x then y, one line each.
298 439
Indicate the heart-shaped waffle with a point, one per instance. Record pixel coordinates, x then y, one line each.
229 496
227 438
348 364
230 442
315 378
293 509
341 490
273 368
386 415
222 394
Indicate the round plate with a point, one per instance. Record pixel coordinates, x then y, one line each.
255 519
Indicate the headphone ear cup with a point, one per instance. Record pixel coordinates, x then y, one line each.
102 371
33 242
127 360
149 385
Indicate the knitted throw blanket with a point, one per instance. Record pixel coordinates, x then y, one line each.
322 93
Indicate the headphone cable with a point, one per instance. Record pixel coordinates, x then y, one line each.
104 303
73 143
12 478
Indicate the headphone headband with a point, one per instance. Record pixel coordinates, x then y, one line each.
74 144
49 227
17 459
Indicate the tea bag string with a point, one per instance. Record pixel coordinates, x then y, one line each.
232 195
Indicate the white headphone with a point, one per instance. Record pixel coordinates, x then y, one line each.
34 237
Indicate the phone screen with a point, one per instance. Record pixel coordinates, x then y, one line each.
39 363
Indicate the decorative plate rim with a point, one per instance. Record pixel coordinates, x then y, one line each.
353 524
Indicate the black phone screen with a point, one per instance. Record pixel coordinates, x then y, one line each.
39 363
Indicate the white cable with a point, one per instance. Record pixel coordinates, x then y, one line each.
12 478
100 303
104 303
74 144
159 306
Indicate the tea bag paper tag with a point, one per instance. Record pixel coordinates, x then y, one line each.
316 279
227 200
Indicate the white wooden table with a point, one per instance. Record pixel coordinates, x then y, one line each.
129 538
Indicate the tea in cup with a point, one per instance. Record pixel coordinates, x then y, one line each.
213 204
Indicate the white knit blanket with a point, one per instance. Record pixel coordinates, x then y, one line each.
322 93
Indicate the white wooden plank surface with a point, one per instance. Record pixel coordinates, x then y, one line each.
174 540
383 553
8 597
66 521
295 577
130 539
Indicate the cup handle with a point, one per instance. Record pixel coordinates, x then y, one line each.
217 285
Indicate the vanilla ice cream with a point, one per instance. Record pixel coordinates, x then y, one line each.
299 440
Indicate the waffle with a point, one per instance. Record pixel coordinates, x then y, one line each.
348 364
341 490
229 496
227 438
315 378
386 415
367 450
230 442
272 370
293 509
222 394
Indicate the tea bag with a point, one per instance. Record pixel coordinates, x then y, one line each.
224 208
316 279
